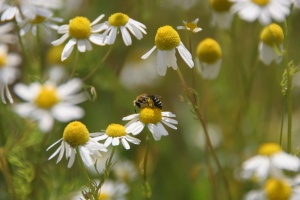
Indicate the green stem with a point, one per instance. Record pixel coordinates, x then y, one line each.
85 173
147 188
289 110
75 61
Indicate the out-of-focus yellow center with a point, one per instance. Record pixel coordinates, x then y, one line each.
115 130
150 115
38 19
220 5
118 19
104 196
166 38
261 2
272 35
54 55
80 27
76 134
190 26
47 97
3 60
277 189
269 149
209 51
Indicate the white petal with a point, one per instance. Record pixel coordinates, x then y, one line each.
68 49
185 55
146 55
61 40
115 141
125 35
64 112
125 143
97 20
112 35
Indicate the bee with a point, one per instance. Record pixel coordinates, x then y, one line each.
148 100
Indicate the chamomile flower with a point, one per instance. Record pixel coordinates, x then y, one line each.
271 44
221 15
263 10
8 72
125 171
270 161
82 33
76 139
209 58
191 26
5 36
116 132
154 118
46 102
166 41
123 23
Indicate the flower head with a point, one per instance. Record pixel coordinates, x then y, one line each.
191 26
76 136
221 15
82 33
208 59
46 102
154 118
116 132
122 22
5 36
166 41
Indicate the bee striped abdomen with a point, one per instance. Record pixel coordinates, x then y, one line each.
148 101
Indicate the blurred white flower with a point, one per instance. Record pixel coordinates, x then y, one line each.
125 170
190 26
5 36
221 15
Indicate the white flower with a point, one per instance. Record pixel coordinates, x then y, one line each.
166 41
221 15
5 36
190 26
46 102
82 33
154 118
125 170
263 10
270 161
120 21
116 132
8 72
76 136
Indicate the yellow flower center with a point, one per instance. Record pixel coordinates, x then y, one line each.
277 189
3 60
115 130
272 35
118 19
220 5
104 196
166 38
190 26
209 51
80 27
47 97
261 2
269 149
38 19
76 134
54 54
150 115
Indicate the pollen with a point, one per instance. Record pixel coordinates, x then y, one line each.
38 19
277 189
261 2
272 34
80 27
269 149
47 97
220 5
150 115
118 19
3 60
76 134
115 130
166 38
209 51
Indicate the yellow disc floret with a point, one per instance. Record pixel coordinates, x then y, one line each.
47 97
150 115
190 26
269 149
53 55
80 27
3 59
104 196
220 5
118 19
277 189
38 19
209 51
272 35
261 2
166 38
115 130
76 134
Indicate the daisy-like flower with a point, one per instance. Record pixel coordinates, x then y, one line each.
166 41
221 15
209 58
190 26
76 138
270 161
263 10
8 72
116 132
82 33
271 44
5 36
154 118
122 22
46 102
125 171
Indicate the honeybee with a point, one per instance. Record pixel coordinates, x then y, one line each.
148 100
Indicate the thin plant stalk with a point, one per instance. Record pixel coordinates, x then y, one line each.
75 61
85 173
147 188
